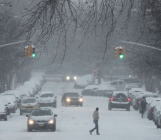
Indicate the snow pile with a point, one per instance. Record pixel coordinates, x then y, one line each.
29 88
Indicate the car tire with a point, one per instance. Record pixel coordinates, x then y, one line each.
128 108
109 108
5 118
54 128
157 125
29 129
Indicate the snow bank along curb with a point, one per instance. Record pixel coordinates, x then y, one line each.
29 88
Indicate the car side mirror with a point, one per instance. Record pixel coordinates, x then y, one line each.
27 115
55 115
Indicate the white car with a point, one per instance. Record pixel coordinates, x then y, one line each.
47 99
42 118
3 112
28 104
11 101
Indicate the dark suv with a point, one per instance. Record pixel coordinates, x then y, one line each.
119 99
72 98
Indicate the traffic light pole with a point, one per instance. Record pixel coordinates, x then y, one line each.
13 43
140 45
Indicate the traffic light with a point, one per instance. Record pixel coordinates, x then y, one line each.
120 52
33 53
121 56
30 51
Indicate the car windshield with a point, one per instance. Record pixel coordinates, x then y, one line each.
41 113
47 95
25 101
120 95
72 94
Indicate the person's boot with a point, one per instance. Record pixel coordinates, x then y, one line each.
98 133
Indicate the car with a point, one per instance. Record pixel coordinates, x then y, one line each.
28 104
70 78
72 98
151 103
42 118
3 112
47 99
119 99
4 102
90 90
132 83
118 84
11 102
157 115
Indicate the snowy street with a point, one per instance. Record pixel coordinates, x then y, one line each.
74 122
80 69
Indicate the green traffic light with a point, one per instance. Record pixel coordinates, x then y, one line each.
33 55
121 56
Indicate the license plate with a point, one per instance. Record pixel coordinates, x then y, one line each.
41 124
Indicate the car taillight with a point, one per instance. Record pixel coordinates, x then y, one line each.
129 99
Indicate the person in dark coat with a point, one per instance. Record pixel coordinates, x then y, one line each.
143 106
95 120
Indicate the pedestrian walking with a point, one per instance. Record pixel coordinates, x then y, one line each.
95 121
143 106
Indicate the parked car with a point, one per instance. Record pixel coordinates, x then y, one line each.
157 115
135 91
4 103
151 103
3 112
118 84
47 99
28 104
11 102
119 99
72 98
132 83
90 90
41 119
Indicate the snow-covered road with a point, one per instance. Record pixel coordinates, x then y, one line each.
73 123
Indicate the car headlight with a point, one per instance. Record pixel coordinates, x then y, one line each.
68 78
75 78
31 122
51 121
80 99
68 99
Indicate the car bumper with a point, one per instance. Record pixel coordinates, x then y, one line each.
3 116
119 105
38 126
73 103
